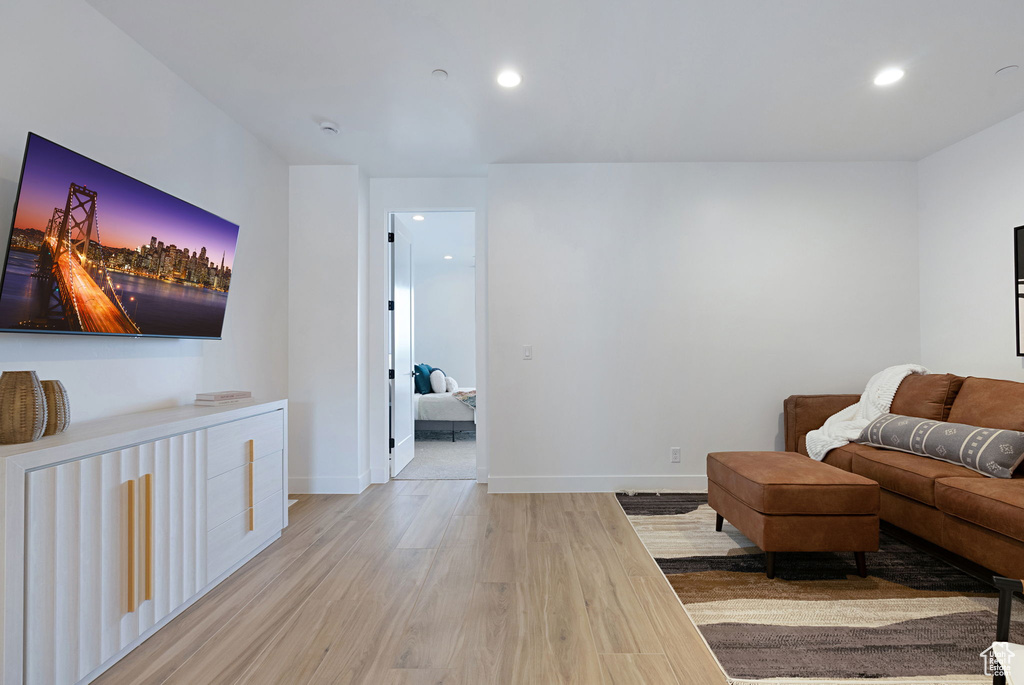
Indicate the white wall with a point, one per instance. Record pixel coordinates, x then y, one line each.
445 325
444 291
326 348
412 195
970 201
72 76
679 304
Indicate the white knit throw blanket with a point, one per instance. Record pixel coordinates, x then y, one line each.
847 424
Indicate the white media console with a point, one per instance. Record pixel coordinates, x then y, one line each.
111 529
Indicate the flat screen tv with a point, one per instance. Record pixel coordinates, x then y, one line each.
93 251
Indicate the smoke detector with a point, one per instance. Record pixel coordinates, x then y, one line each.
328 128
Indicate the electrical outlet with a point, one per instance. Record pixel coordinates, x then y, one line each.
677 455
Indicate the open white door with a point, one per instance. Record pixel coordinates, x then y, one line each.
403 421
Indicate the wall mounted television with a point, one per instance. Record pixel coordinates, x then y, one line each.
93 251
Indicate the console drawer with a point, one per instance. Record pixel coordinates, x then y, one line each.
231 541
228 493
227 445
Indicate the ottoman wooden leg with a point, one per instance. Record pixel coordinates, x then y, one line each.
769 564
718 522
862 566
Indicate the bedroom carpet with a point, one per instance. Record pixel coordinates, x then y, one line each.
438 458
914 619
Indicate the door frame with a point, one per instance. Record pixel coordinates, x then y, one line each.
401 195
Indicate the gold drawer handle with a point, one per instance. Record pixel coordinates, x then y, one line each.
252 485
132 505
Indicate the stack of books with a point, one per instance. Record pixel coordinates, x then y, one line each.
223 398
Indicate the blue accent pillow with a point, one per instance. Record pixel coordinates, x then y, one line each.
422 378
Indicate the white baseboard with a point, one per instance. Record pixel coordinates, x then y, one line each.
499 484
380 475
328 485
481 475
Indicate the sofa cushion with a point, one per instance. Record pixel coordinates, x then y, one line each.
842 457
994 504
927 396
989 451
989 403
788 483
908 474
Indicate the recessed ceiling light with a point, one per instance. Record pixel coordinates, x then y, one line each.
448 256
509 78
440 74
418 217
1007 70
329 128
889 76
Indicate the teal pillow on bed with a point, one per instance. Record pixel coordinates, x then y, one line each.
422 378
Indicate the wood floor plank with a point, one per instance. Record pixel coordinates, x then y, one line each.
690 658
544 515
558 646
158 657
502 547
311 517
637 669
363 653
617 617
357 572
475 502
494 642
319 634
466 530
429 528
505 589
432 676
437 626
631 551
580 501
227 655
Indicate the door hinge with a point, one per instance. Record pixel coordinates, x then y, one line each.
391 305
391 374
392 444
391 237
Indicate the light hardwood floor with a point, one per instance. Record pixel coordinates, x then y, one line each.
437 583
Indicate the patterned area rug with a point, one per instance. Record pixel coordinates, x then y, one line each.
914 619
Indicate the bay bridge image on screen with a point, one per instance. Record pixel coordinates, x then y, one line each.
80 293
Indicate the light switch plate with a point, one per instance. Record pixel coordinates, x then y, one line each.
527 352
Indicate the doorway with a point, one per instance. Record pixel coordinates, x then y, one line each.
432 345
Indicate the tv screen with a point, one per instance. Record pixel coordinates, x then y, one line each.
93 251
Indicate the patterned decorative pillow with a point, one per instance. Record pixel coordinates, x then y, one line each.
989 451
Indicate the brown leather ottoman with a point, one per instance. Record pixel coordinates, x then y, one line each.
786 502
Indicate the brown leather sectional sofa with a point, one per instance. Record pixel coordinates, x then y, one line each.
972 515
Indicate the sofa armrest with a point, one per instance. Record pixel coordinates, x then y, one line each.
804 413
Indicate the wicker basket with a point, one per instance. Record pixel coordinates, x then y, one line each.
22 407
58 407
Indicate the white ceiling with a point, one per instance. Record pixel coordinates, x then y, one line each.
604 80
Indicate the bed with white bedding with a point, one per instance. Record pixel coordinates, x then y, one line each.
443 406
442 411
